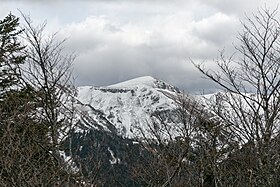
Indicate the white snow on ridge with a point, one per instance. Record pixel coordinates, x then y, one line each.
129 105
140 81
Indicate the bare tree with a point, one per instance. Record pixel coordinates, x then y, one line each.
48 72
37 107
251 101
185 147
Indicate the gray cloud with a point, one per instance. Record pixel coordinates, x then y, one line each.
119 40
239 7
110 51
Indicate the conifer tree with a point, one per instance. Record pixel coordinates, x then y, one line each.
10 56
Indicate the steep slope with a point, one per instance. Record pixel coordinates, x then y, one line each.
128 105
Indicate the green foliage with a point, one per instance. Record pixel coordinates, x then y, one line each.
10 53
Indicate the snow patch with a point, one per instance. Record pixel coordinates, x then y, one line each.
140 81
114 160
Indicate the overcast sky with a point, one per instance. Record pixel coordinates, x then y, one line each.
118 40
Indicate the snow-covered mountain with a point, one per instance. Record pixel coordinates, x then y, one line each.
126 107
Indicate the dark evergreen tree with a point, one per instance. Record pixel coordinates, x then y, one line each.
10 54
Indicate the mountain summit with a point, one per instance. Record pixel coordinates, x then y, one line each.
144 81
127 106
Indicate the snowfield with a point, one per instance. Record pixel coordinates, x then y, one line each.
129 105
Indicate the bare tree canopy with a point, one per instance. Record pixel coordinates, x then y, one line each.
251 101
35 118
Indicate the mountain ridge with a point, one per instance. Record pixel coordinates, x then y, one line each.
128 105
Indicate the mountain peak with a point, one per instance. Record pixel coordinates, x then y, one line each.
129 104
145 81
